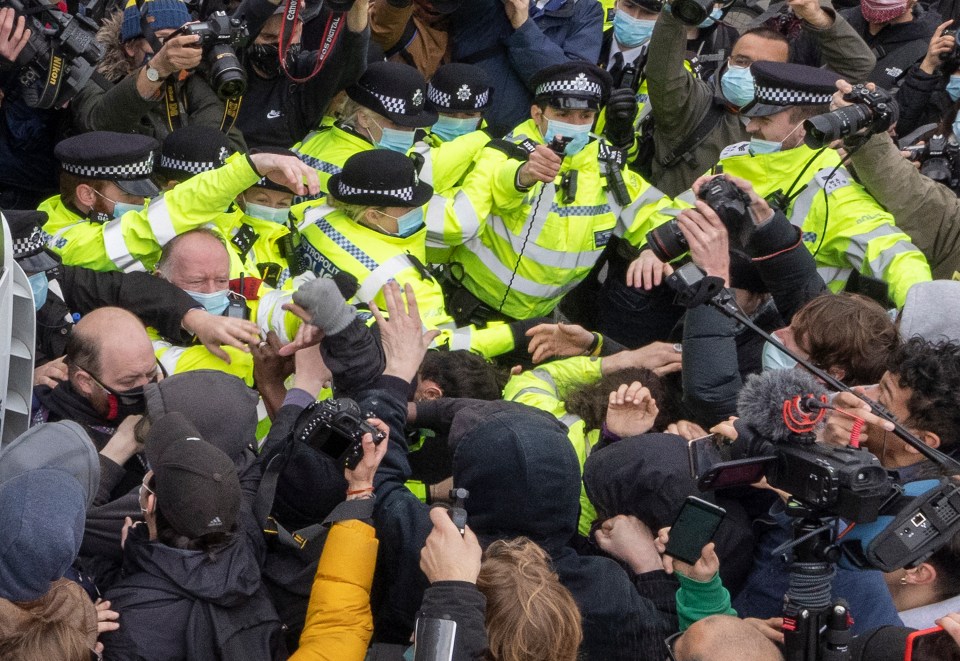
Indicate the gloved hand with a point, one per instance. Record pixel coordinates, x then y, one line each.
326 305
621 111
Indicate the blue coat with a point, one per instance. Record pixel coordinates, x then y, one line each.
481 34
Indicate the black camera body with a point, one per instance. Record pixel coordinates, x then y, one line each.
219 36
939 159
336 427
62 52
730 203
872 112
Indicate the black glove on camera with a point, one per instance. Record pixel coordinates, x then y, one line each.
621 111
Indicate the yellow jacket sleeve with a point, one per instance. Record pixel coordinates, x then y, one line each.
339 621
546 386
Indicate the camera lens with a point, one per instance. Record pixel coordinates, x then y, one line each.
667 241
691 12
227 76
938 169
824 129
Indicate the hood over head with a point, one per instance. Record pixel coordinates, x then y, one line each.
219 405
521 471
62 445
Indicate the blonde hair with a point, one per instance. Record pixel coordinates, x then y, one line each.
530 616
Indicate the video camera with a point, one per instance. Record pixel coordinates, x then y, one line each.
219 36
873 111
336 427
730 203
939 159
61 54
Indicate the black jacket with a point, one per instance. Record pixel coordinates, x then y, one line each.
923 99
523 479
464 604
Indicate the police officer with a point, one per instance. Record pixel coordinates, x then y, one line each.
530 222
100 221
61 294
374 231
384 109
846 230
459 94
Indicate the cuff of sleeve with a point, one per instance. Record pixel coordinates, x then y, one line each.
695 587
403 390
773 236
298 397
813 28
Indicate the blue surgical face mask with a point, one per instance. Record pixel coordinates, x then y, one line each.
630 31
953 88
447 128
714 16
737 85
579 134
759 146
394 139
956 126
774 359
277 215
40 286
214 303
120 208
407 224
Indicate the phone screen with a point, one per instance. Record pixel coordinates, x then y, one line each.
694 528
741 472
931 645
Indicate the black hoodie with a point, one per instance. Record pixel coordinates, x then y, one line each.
523 478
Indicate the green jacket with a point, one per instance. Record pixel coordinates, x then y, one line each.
680 101
133 241
929 212
522 250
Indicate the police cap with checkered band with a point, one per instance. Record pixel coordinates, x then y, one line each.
126 159
781 85
396 91
572 85
30 241
459 87
380 177
191 150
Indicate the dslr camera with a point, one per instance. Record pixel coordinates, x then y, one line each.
336 428
939 159
730 203
872 112
61 54
219 36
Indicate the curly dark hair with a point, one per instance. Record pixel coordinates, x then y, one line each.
931 370
590 402
462 374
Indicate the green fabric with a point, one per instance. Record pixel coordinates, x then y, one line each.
696 600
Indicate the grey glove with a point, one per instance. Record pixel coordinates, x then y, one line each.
326 305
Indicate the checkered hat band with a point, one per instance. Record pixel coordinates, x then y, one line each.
391 103
482 99
578 86
405 194
136 170
193 167
788 97
30 245
437 97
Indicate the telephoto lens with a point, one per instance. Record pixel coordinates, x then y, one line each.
691 12
227 77
824 129
667 241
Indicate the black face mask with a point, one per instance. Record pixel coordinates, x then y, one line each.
266 58
125 403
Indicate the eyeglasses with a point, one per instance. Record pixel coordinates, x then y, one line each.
670 642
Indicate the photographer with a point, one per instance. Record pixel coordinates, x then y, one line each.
277 111
927 93
924 209
156 88
27 135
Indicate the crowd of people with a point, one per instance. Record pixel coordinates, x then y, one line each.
384 329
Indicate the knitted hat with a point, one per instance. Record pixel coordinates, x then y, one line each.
198 491
396 91
932 311
380 177
42 514
881 11
158 14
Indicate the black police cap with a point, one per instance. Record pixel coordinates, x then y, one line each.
572 85
30 241
396 91
380 177
459 87
781 85
191 150
126 159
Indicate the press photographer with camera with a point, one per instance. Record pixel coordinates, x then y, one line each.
926 92
160 83
927 211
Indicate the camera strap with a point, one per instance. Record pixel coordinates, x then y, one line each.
55 74
331 33
177 112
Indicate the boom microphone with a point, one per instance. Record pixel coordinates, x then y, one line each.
760 403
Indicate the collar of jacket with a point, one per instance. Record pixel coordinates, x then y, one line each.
563 11
349 134
583 161
769 172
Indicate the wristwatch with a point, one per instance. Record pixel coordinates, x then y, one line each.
152 74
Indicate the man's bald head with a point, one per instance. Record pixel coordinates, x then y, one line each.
723 637
196 261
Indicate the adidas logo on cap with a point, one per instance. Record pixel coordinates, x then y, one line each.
215 521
